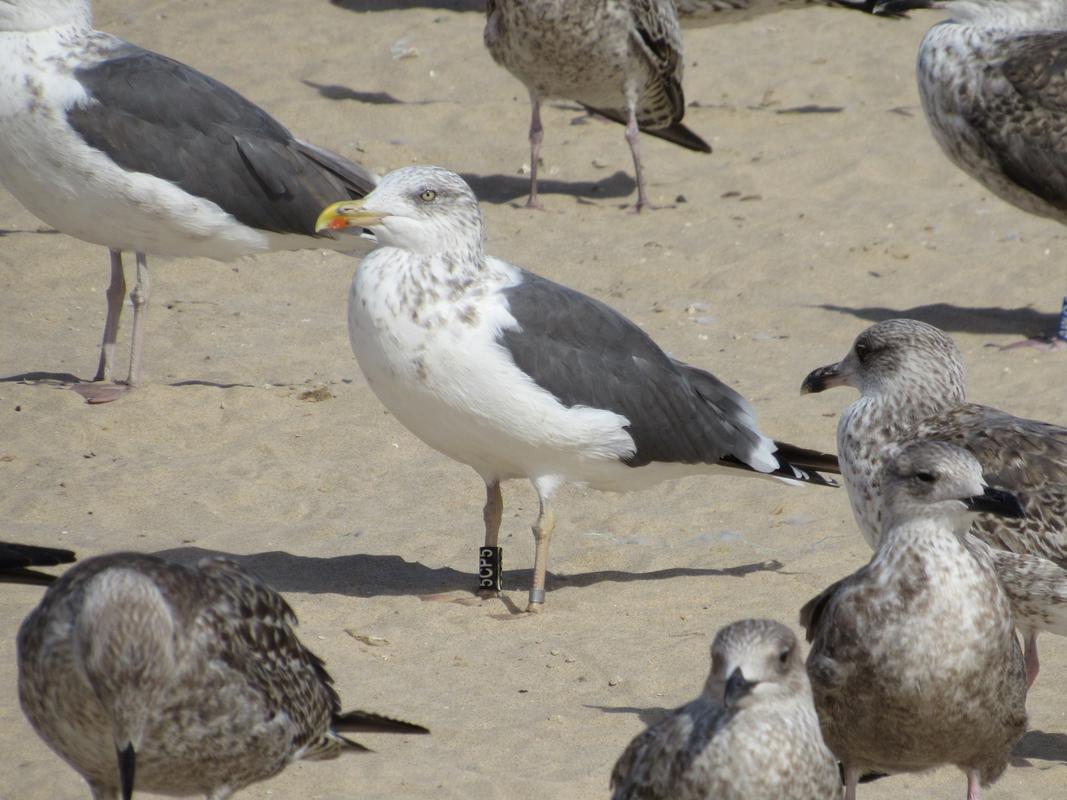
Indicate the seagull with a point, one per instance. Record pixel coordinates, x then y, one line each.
621 59
910 378
129 149
16 560
179 680
519 377
751 734
914 661
994 89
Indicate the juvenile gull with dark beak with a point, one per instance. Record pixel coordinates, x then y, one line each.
914 660
519 377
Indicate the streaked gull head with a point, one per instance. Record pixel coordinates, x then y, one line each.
426 210
35 15
897 357
938 480
755 661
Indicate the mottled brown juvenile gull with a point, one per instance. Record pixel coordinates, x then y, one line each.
127 148
910 378
752 734
16 560
993 82
619 58
519 377
914 661
177 680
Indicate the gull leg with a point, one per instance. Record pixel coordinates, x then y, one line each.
632 138
974 788
1032 663
139 298
852 778
537 133
1058 341
116 294
492 514
542 531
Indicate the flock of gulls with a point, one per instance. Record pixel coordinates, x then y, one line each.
150 675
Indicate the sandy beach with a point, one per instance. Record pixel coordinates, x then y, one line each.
825 205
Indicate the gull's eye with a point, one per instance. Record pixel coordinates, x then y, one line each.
925 477
783 656
862 350
427 195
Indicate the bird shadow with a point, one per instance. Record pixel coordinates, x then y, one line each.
992 319
334 91
648 716
1043 746
508 188
13 231
365 575
57 378
404 5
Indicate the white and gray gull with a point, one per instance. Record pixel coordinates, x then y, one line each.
910 378
519 377
619 58
129 149
751 734
993 82
914 660
177 680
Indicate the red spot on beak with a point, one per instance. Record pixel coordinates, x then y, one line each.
337 223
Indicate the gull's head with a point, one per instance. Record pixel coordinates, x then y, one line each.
938 480
36 15
753 661
899 357
426 210
1008 14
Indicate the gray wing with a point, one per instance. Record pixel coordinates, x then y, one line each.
1025 128
151 114
1036 587
587 354
654 764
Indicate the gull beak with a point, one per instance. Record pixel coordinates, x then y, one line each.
996 502
347 214
736 688
824 378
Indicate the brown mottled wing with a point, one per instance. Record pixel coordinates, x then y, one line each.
255 627
1025 123
658 36
654 765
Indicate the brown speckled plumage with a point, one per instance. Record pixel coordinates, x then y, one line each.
748 736
197 669
914 661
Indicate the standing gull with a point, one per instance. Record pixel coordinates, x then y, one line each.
177 680
519 377
914 661
910 378
993 81
127 148
619 58
752 734
16 560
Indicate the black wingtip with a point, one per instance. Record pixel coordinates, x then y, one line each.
807 458
15 559
369 722
127 767
677 133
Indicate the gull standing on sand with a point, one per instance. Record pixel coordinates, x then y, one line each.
914 661
129 149
519 377
993 82
621 59
751 735
910 378
177 680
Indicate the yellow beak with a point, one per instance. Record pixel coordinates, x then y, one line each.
347 214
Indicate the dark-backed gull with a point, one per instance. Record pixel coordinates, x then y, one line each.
519 377
914 660
177 680
16 560
910 378
993 84
752 733
130 149
619 58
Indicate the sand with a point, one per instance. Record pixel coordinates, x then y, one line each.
784 243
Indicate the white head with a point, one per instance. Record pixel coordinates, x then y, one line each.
426 210
940 481
35 15
754 661
1011 14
